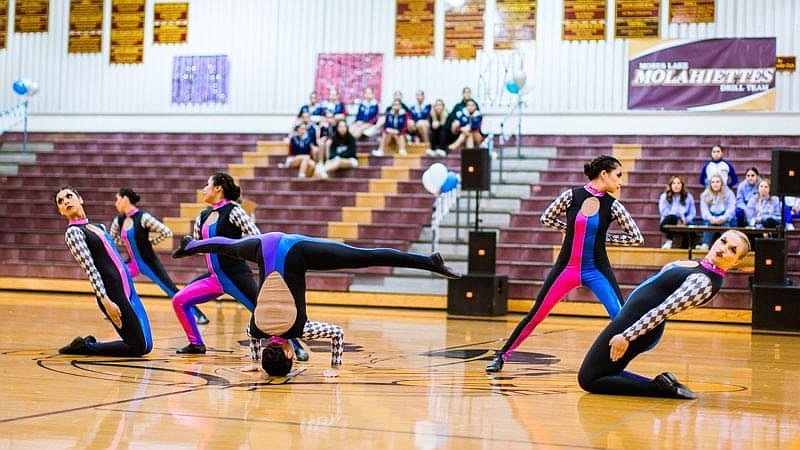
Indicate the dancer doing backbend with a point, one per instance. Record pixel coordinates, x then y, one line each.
638 327
133 229
283 260
583 259
93 249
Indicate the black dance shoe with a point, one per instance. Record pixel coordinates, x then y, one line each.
668 383
199 316
496 365
192 349
78 346
300 353
181 252
441 268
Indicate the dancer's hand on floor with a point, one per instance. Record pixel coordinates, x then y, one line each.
619 345
113 311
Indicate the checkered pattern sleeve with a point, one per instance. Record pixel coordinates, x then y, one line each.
240 218
694 291
555 209
314 330
631 235
196 235
153 225
114 231
76 243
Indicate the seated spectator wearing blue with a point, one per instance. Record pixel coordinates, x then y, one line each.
438 131
452 122
301 147
469 122
342 150
676 207
718 166
764 210
314 108
791 212
419 125
396 96
367 115
717 208
335 105
394 129
746 190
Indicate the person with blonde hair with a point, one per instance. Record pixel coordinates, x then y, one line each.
717 208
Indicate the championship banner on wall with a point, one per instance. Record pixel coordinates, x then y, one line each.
702 75
515 21
170 23
31 16
3 23
413 28
200 79
463 30
127 31
85 26
350 74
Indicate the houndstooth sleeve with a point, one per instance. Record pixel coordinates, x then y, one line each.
152 224
632 236
76 243
114 231
555 209
196 234
240 218
314 330
694 291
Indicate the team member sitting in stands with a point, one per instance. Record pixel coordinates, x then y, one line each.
678 286
718 166
283 260
327 128
93 249
451 123
746 190
394 129
438 131
335 105
342 153
676 207
301 151
397 96
367 115
314 108
717 208
419 125
764 210
468 125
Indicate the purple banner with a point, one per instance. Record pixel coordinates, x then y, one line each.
200 79
702 75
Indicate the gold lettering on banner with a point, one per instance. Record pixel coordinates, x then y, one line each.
785 63
636 18
85 26
170 23
127 31
584 20
31 16
414 22
695 11
463 30
3 23
515 21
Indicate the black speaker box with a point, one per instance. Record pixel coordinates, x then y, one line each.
478 295
776 308
785 172
482 252
475 170
770 261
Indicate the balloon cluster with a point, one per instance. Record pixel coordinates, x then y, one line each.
25 86
517 82
438 180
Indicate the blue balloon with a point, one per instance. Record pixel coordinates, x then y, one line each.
450 182
19 87
512 87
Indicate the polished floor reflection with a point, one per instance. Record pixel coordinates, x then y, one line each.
411 379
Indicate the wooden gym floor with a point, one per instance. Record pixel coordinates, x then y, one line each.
411 379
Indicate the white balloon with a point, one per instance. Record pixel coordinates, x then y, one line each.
33 88
520 78
433 178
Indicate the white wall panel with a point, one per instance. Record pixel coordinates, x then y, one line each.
272 46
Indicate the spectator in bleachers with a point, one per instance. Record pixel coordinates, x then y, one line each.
452 123
438 131
394 129
327 128
342 153
419 125
301 152
469 122
334 105
675 207
763 210
367 115
397 96
314 108
746 190
791 212
717 208
718 166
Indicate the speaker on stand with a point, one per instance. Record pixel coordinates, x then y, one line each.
785 179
